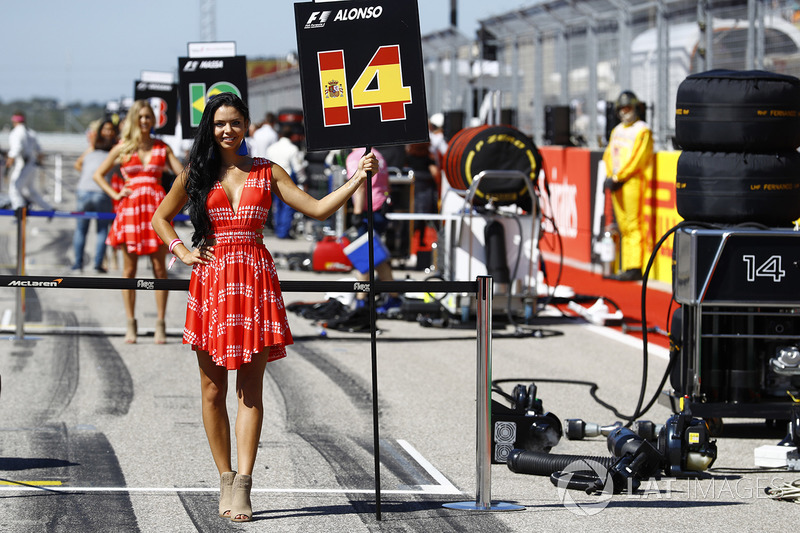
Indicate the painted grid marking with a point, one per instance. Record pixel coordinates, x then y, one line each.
444 486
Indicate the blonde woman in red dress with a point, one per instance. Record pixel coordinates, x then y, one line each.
142 160
235 317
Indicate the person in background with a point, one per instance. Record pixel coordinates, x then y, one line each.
142 160
438 142
380 206
91 136
427 180
601 122
579 132
91 197
24 156
3 175
235 316
628 161
265 136
117 183
289 157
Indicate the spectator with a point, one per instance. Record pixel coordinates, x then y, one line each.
265 136
91 136
601 122
438 142
286 154
427 179
579 133
380 206
3 178
91 197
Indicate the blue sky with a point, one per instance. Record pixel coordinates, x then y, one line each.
92 51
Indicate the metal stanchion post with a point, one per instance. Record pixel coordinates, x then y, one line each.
21 216
483 459
20 303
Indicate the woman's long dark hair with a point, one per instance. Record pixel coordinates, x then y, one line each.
105 144
204 163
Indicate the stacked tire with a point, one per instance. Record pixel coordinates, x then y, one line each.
473 150
739 132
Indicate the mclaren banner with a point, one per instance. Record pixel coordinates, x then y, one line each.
202 78
361 72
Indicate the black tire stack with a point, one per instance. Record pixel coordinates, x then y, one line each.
739 132
473 150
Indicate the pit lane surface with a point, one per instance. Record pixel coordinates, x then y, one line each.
98 435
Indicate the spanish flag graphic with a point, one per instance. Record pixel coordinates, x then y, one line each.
335 104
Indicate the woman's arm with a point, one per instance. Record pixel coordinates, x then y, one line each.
170 206
99 175
174 163
360 200
79 162
286 190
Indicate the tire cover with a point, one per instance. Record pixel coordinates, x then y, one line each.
738 111
473 150
738 187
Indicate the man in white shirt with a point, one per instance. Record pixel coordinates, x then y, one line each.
265 136
286 154
438 142
23 155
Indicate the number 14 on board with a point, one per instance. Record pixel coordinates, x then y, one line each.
379 85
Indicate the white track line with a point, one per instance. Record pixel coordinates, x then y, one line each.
444 486
652 349
144 490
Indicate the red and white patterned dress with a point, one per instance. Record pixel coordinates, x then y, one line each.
132 226
235 307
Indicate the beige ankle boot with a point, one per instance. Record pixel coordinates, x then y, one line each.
241 509
160 334
130 334
226 493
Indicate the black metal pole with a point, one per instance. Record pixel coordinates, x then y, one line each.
373 343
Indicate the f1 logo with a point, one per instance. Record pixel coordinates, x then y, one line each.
317 19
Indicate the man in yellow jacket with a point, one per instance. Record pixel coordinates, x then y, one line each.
628 159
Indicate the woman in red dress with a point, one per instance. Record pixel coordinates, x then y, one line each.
142 160
235 317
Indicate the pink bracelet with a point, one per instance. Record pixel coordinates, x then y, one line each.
172 245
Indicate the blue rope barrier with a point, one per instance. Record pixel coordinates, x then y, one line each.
74 214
